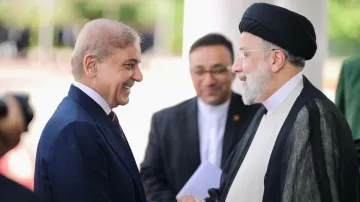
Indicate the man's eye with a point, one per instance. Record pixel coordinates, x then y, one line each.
246 54
219 71
199 72
129 66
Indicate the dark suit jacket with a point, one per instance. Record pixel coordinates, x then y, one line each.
173 152
81 156
11 191
348 94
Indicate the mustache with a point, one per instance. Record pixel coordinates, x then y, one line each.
240 74
129 83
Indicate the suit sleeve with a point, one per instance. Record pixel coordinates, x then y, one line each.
78 166
152 171
340 91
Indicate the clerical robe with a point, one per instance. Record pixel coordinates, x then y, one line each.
313 157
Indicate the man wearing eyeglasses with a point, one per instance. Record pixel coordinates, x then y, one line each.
298 147
203 129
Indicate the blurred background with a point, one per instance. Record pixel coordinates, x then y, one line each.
37 36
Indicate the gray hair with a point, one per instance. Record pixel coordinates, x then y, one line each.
294 60
100 37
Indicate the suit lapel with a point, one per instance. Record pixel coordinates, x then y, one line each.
110 132
191 134
233 122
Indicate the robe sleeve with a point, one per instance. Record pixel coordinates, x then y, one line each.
321 163
215 193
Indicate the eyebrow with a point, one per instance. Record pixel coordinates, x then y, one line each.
133 60
218 65
212 66
199 66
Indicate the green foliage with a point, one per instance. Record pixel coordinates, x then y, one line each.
344 27
179 22
140 14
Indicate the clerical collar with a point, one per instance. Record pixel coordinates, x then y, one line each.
279 96
218 109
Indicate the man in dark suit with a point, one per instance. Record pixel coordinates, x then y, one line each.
203 129
12 125
83 154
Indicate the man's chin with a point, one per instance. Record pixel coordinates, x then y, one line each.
212 100
123 101
247 100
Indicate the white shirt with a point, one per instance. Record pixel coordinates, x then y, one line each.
276 99
211 123
94 95
248 184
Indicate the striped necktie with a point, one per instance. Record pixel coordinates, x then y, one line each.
115 120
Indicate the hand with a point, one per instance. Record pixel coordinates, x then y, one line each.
189 198
11 126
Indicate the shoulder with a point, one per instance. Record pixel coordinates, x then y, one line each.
71 134
175 111
61 122
78 129
318 105
352 62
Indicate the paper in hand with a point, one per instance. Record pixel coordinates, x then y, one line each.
205 177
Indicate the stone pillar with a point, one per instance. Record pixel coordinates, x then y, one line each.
222 16
46 29
316 12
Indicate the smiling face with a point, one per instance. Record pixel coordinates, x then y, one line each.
211 74
114 76
252 68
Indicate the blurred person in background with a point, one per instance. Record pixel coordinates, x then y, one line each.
347 97
83 154
202 129
11 127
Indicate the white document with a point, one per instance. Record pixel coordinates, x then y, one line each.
205 177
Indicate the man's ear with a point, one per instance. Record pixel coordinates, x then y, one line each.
89 65
278 60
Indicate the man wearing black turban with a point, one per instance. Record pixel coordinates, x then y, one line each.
299 146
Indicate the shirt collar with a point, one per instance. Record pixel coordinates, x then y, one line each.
276 99
215 109
94 95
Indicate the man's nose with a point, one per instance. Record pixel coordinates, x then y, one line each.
237 66
137 76
208 78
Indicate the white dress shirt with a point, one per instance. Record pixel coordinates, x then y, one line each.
248 184
211 123
94 95
276 99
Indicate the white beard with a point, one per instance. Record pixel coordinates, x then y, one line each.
256 85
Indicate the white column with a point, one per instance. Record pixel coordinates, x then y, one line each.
222 16
46 29
204 16
316 12
164 27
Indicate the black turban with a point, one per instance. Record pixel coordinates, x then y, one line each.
284 28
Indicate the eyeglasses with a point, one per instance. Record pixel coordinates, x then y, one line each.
218 72
242 54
